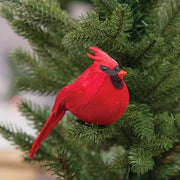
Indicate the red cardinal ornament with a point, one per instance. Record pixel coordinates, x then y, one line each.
98 96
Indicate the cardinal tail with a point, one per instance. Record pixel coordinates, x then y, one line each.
57 113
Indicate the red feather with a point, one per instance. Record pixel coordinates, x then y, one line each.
92 97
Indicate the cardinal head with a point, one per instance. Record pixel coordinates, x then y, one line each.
108 65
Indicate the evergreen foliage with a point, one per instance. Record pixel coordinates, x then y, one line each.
144 37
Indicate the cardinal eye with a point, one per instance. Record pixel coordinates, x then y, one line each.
116 69
103 68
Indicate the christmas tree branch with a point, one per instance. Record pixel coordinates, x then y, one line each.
170 164
162 14
89 132
173 22
87 34
141 56
164 78
141 161
45 43
92 31
35 115
121 14
143 37
29 84
23 141
136 89
38 116
63 161
104 6
43 13
119 166
37 36
47 77
66 163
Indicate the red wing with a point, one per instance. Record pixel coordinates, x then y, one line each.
85 87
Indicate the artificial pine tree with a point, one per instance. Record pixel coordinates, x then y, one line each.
143 36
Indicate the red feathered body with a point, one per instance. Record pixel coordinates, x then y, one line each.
92 97
95 100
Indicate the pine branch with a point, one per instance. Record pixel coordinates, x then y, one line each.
171 103
63 161
134 81
146 50
139 119
23 141
35 71
144 128
147 47
45 43
166 123
162 14
10 134
161 81
66 164
95 168
87 34
37 117
160 70
142 37
120 165
34 113
172 28
141 161
104 6
121 20
160 144
89 132
42 13
32 64
29 84
177 121
140 10
166 91
169 166
92 31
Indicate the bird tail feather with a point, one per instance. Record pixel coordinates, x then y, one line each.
57 113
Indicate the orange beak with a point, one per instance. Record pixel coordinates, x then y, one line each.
121 74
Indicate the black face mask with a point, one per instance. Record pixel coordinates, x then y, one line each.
117 83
